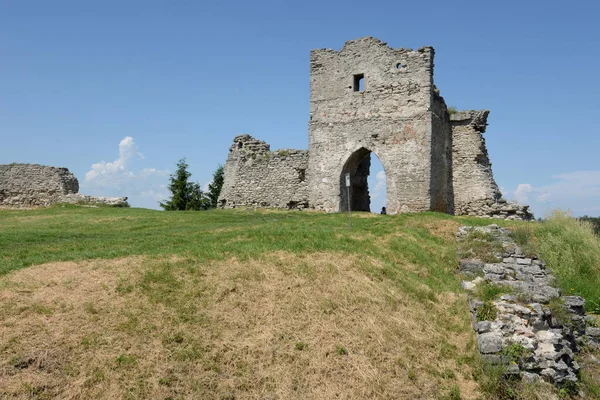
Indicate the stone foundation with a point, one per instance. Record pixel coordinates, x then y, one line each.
524 335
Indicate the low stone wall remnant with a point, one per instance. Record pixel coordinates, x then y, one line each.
519 328
34 185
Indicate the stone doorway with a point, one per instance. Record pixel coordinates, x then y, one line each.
359 166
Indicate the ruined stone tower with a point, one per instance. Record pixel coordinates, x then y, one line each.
370 98
367 98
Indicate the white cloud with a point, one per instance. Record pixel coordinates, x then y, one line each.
578 191
379 188
127 151
144 188
521 193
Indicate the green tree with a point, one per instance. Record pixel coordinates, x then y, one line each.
185 195
214 188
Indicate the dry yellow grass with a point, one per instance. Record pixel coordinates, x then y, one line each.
312 326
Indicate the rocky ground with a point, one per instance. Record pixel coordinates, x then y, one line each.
520 317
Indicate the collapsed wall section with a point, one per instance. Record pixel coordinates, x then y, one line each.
475 190
34 185
258 177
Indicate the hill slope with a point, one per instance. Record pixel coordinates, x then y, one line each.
131 303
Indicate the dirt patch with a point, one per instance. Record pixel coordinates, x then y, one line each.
284 326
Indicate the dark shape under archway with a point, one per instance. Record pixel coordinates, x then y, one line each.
358 165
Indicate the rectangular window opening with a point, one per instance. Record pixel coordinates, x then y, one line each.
359 82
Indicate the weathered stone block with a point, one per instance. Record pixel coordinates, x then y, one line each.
489 342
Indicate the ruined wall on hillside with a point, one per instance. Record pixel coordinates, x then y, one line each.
371 97
475 190
258 177
34 185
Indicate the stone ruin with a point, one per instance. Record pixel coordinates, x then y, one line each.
34 185
370 98
523 319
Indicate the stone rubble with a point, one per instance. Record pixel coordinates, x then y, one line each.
523 313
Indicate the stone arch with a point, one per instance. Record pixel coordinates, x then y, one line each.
358 164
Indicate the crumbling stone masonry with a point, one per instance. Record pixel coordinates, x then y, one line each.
543 344
258 177
33 185
369 98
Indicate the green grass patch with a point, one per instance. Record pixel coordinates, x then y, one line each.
488 291
487 312
480 245
571 250
515 352
414 257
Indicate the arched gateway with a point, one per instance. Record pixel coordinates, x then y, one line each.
398 115
369 97
358 167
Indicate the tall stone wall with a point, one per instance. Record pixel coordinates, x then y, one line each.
390 116
475 190
34 185
442 188
370 98
258 177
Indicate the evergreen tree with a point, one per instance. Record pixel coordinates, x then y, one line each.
214 188
185 195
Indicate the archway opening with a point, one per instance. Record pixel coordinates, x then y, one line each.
367 189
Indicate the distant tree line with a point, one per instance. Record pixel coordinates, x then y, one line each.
187 195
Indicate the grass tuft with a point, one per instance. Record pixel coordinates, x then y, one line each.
487 312
480 245
488 291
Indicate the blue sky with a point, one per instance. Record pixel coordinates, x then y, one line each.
118 91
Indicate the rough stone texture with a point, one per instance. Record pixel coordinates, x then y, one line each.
34 185
523 316
475 190
397 114
258 177
392 117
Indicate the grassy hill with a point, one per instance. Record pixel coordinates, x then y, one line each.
133 303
